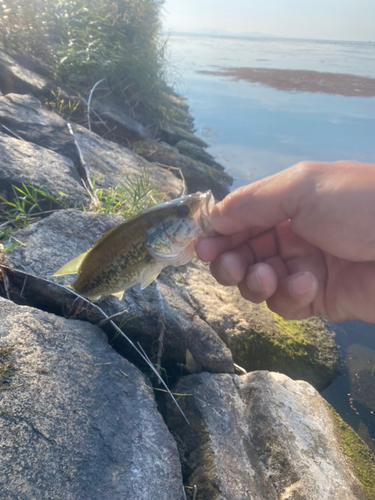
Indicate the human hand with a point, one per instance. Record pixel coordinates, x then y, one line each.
303 240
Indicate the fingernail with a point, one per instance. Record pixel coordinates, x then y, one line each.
256 280
301 284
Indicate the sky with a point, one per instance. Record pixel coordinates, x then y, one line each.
317 19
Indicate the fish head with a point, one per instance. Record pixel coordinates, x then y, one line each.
172 238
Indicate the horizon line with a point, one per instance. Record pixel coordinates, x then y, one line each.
261 35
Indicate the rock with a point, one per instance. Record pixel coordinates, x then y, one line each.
22 162
16 78
172 134
198 176
111 164
177 100
258 338
108 162
261 436
77 420
196 153
27 117
113 112
52 242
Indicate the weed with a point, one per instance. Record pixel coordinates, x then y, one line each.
64 108
83 41
19 212
128 199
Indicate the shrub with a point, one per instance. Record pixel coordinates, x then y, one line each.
83 41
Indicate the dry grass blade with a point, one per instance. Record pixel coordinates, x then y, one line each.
114 316
11 132
89 101
148 361
86 182
161 325
5 281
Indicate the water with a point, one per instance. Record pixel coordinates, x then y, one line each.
256 130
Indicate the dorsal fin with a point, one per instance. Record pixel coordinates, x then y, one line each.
72 266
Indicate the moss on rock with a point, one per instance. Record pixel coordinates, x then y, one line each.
358 453
258 338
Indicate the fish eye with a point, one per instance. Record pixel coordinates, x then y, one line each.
183 211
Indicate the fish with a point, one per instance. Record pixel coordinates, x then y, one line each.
137 250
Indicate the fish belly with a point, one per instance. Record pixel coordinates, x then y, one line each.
110 282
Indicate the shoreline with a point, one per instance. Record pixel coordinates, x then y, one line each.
292 80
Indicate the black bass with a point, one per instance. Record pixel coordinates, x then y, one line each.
140 248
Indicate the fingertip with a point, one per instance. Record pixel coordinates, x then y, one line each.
262 279
294 296
204 250
228 269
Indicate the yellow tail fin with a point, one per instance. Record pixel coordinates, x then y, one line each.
72 266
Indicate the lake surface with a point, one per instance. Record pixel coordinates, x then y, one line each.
254 129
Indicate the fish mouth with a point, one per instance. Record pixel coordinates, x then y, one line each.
204 215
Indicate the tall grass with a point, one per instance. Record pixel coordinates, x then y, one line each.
131 197
83 41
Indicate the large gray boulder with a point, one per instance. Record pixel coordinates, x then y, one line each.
23 162
16 78
108 162
52 242
77 420
261 436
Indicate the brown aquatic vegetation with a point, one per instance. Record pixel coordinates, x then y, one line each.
292 80
140 248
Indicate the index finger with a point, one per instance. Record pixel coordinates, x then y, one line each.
261 205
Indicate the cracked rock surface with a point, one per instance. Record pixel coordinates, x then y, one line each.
261 436
77 420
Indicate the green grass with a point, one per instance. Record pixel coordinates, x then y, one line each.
65 108
20 211
130 198
83 41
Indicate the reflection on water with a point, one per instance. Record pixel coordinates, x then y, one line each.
256 131
264 130
353 393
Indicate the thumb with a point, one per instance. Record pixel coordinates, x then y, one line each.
261 205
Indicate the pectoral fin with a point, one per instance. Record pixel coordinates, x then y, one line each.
72 266
149 280
119 295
